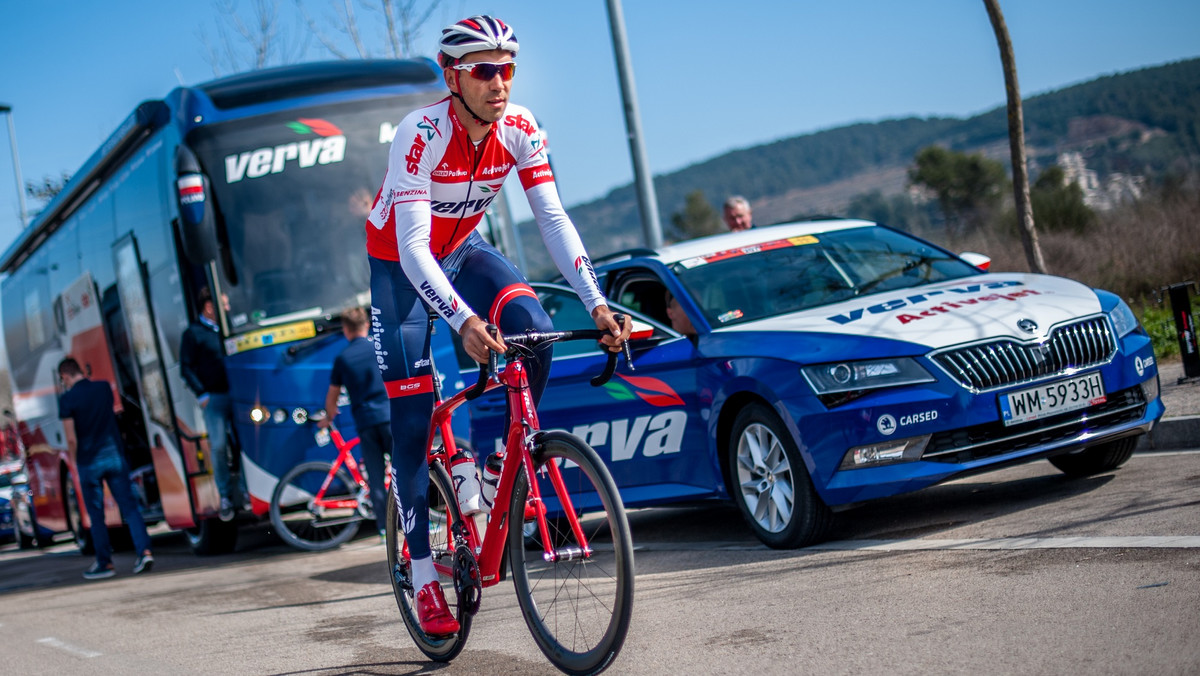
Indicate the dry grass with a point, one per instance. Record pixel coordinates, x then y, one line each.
1131 251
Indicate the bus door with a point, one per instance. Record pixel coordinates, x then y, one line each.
81 332
184 483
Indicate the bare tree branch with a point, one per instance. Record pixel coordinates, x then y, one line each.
319 34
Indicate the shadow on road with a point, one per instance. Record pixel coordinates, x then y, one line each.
61 565
718 526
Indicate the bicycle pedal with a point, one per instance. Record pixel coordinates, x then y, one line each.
401 578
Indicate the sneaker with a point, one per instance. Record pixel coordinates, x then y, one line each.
98 572
432 612
143 564
226 512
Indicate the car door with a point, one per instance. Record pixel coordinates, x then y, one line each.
645 424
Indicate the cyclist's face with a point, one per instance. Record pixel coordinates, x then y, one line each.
488 98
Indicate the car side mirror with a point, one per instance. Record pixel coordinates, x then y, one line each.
978 260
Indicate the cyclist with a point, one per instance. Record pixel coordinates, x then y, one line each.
446 164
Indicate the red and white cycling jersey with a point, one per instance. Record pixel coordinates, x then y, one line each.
438 186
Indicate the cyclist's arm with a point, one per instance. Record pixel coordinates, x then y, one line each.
422 269
563 243
527 143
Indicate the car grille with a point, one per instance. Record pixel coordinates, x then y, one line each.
983 441
1006 362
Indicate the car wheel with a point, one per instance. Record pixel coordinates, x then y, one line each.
1096 459
24 521
83 538
212 536
771 485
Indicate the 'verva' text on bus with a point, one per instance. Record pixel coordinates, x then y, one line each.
263 161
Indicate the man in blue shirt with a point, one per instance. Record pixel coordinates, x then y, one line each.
202 365
94 443
357 370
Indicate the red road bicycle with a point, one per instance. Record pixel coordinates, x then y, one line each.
319 505
564 537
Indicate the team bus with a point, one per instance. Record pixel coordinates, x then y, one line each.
255 185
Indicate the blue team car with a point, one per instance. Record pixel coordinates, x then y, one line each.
834 362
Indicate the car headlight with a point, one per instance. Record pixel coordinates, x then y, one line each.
1123 319
840 382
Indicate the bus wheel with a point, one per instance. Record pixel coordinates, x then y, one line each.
212 536
83 538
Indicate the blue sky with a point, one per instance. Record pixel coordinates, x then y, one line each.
711 76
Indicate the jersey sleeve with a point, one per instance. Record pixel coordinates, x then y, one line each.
558 232
406 193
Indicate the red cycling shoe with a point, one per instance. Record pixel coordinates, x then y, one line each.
433 613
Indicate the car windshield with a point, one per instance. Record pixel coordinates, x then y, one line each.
788 275
293 192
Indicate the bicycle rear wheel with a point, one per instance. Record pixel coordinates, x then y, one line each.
577 607
443 513
301 522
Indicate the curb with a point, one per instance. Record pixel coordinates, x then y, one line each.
1178 433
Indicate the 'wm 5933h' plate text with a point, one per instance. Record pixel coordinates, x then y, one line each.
1051 399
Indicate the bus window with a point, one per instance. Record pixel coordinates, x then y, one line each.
293 197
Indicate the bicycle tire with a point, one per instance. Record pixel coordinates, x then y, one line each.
577 610
296 524
441 502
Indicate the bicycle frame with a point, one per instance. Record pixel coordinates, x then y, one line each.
490 552
344 457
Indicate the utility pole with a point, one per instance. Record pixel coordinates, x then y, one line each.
647 202
12 144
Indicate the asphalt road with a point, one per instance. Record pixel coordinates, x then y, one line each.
1016 572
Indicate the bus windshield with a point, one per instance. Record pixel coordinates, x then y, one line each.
294 190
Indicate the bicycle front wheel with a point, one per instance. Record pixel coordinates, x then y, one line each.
308 519
443 513
578 604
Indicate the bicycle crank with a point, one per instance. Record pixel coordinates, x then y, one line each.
467 583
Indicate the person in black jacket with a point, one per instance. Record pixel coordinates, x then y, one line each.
202 365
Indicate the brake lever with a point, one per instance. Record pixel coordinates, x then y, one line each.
625 349
493 358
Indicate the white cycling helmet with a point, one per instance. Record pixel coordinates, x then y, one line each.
480 33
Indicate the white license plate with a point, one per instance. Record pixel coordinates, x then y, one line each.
1051 399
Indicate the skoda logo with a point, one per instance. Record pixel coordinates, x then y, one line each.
886 425
1027 325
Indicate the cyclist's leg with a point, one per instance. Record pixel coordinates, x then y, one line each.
400 330
494 287
399 326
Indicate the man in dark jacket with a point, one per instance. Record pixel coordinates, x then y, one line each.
357 370
94 443
202 365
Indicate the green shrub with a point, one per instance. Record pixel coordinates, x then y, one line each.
1158 322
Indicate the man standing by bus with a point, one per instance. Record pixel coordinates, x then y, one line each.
447 163
356 370
94 444
202 365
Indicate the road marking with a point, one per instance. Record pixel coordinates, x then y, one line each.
1098 542
67 647
1102 542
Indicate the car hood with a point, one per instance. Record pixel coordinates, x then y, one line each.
949 313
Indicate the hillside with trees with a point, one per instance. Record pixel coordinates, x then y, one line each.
1142 125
